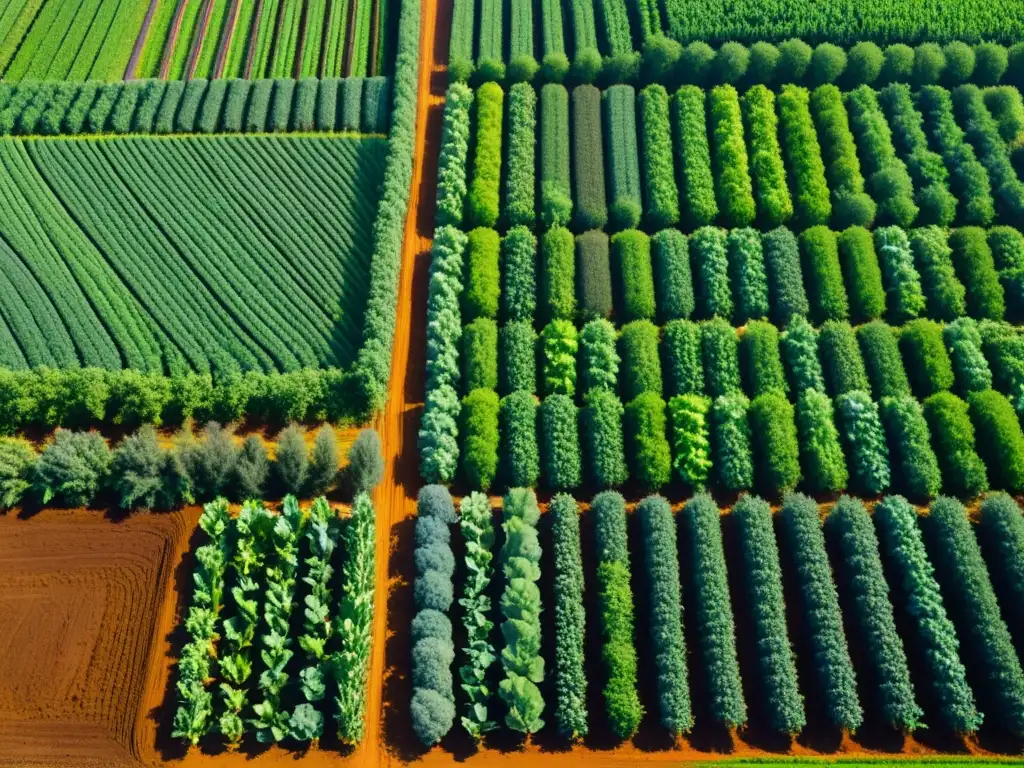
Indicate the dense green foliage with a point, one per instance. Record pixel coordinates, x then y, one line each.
570 679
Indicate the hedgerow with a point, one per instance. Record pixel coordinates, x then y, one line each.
555 189
631 253
968 178
621 155
730 62
775 442
478 534
235 103
520 207
1003 347
615 598
803 157
599 357
303 107
867 453
929 173
439 434
904 295
1007 109
681 358
963 342
993 151
647 448
863 274
280 107
691 448
593 276
927 361
826 291
799 347
350 95
660 193
916 589
764 58
451 162
570 679
557 275
974 264
713 615
518 275
433 651
946 295
774 202
621 62
734 188
962 573
479 431
661 567
483 197
963 472
917 468
824 466
518 359
730 443
841 360
711 263
1000 439
699 206
820 608
1007 246
520 608
482 286
560 443
883 363
591 210
762 579
520 455
673 281
641 364
762 363
785 281
559 345
604 449
747 274
720 353
860 576
480 355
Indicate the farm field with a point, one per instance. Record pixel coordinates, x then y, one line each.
287 308
459 381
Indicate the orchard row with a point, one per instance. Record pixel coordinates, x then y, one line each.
699 595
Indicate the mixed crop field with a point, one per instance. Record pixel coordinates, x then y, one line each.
677 349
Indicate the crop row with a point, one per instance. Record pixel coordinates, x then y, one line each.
741 275
351 105
896 581
244 669
286 38
619 43
54 40
618 160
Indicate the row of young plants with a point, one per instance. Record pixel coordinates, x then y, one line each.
242 671
799 157
624 44
354 104
896 579
79 469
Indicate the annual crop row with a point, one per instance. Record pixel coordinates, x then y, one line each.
251 562
896 580
798 157
353 105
